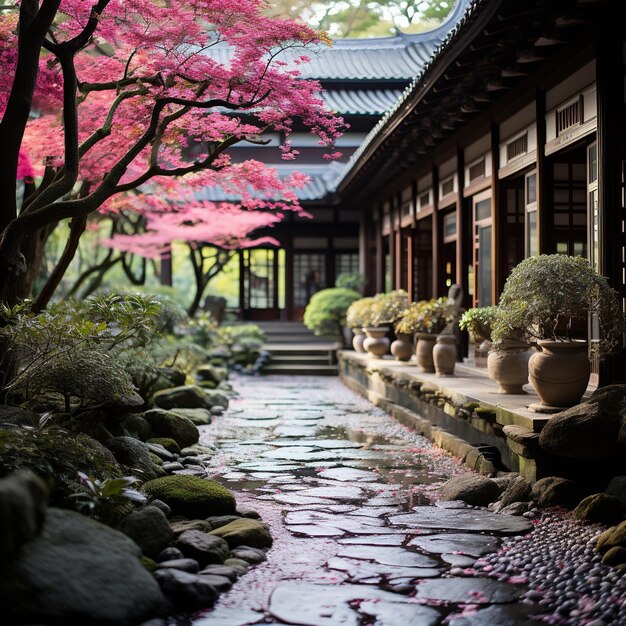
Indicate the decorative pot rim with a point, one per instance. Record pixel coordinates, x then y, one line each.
568 344
421 335
406 336
371 328
357 331
446 338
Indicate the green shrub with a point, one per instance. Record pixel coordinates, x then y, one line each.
192 496
242 342
57 457
360 313
549 295
479 322
326 312
426 316
353 282
388 307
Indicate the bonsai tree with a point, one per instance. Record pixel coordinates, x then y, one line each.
360 313
479 322
426 316
388 307
549 295
326 312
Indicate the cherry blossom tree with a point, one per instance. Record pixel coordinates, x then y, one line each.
214 232
121 90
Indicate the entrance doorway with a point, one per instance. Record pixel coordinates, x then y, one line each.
483 246
263 284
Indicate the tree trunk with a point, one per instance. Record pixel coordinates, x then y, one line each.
77 228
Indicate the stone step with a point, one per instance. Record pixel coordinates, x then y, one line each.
301 370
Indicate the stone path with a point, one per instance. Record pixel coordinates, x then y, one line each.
357 539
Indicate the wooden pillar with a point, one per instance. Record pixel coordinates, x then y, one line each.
365 246
242 292
409 266
611 153
392 243
437 261
380 255
543 190
498 217
289 278
460 225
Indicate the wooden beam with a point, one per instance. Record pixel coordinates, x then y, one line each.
437 261
543 191
498 217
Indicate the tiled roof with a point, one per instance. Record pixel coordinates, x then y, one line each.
322 182
361 101
398 57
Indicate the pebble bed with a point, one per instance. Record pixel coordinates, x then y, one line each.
560 577
564 573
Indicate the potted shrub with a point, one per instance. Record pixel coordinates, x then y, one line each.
552 297
426 319
360 314
388 309
355 282
326 312
478 322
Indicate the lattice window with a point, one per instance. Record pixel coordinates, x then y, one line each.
477 170
568 116
517 147
447 186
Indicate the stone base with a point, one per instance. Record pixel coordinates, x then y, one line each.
539 407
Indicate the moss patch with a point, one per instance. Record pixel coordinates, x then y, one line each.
167 442
192 496
148 563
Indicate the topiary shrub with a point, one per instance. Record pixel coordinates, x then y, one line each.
192 496
167 442
326 312
360 314
354 282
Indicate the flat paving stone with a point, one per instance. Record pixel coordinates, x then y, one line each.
330 605
349 474
460 543
375 540
343 492
467 591
373 573
476 520
387 556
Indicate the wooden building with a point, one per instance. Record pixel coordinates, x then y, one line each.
362 78
509 143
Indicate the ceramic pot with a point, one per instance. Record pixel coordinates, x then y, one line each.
560 372
376 342
358 339
402 347
424 352
509 366
444 355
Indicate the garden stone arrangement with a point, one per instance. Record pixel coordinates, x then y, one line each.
285 511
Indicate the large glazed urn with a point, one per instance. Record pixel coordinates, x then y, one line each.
508 366
560 372
376 342
444 355
424 352
358 339
402 347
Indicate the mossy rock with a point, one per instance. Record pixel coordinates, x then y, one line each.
148 563
191 496
157 460
56 456
167 424
168 443
245 532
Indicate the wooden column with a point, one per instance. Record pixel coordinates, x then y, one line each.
289 278
392 243
242 292
165 272
460 225
435 233
365 245
611 153
497 218
409 265
380 256
543 190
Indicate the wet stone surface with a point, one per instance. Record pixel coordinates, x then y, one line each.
349 496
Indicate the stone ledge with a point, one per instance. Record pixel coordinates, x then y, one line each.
458 413
468 388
